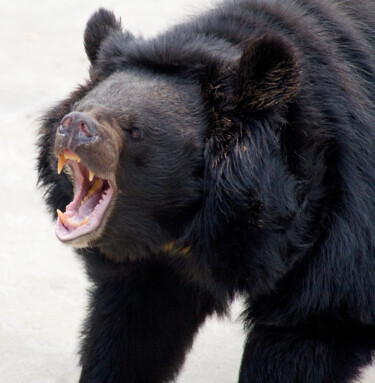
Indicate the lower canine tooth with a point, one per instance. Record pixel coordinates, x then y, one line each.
69 221
62 217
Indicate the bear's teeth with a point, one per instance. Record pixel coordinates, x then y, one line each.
69 221
72 156
91 175
76 224
61 163
62 217
65 157
98 184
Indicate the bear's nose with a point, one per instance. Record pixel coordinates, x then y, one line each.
79 129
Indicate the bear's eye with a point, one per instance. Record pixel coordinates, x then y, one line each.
134 133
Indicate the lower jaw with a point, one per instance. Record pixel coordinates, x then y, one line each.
89 232
80 241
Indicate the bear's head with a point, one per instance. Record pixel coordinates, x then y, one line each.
168 138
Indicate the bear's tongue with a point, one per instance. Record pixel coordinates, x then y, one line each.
91 198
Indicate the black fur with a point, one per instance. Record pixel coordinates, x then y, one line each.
248 167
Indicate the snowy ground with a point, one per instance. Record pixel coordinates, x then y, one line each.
42 284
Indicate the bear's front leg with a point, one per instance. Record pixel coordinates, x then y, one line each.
140 326
306 354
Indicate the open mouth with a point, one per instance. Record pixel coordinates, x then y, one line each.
92 195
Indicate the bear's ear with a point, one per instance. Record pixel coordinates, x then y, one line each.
267 74
100 25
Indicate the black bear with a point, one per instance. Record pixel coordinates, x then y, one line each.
232 154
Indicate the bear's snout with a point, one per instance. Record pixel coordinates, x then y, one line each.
77 129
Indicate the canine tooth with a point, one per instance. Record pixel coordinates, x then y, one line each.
62 217
61 163
91 175
77 224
